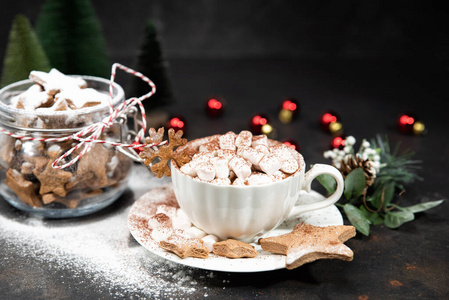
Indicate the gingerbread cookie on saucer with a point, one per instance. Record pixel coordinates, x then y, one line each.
234 249
307 243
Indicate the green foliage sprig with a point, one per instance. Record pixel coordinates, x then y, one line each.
379 203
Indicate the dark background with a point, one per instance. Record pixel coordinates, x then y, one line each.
382 52
346 46
415 30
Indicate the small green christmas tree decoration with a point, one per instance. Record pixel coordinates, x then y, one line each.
152 64
24 52
72 38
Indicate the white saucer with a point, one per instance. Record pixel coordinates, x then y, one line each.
146 205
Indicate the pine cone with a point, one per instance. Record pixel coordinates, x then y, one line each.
350 163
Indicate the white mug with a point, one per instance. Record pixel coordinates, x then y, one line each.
249 212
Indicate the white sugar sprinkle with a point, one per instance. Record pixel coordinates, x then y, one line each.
100 250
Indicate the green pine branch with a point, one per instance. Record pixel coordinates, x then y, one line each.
24 52
152 64
72 38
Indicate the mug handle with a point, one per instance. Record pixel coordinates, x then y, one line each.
316 170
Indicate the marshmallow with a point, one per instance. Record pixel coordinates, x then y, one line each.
195 232
167 210
189 169
221 167
198 179
209 240
260 140
262 148
226 153
239 182
252 155
259 179
277 176
161 233
244 139
227 141
181 233
205 171
159 219
221 181
290 166
270 164
209 147
202 157
181 221
282 152
240 166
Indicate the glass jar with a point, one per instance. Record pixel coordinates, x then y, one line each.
27 179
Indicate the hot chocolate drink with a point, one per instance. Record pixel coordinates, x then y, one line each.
240 160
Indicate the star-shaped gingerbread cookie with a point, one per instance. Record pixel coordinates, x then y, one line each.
51 179
94 162
24 189
307 243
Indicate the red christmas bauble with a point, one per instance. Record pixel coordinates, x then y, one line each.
257 122
327 118
288 110
177 123
337 142
215 107
406 122
292 144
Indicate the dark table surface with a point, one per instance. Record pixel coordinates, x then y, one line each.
95 257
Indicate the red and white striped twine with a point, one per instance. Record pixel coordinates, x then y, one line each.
92 133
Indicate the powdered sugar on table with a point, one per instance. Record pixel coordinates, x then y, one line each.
98 250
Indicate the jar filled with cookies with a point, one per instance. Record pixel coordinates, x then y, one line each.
43 169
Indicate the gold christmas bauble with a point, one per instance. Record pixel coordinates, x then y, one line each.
419 128
269 131
336 128
285 116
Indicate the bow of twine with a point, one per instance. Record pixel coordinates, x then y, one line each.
91 134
